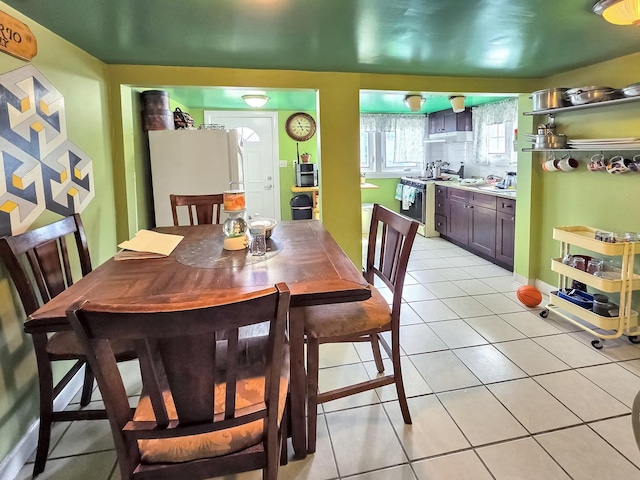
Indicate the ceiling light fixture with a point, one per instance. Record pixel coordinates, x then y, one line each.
414 102
619 12
255 101
457 103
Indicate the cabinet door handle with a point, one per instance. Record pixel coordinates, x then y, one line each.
469 206
504 205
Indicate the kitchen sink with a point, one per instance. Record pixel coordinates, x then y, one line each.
493 188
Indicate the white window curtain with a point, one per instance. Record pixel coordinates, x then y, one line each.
484 115
410 131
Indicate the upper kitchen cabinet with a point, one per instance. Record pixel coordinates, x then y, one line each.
446 121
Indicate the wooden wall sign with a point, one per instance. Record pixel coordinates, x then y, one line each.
16 38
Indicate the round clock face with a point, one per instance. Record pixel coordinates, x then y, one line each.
300 126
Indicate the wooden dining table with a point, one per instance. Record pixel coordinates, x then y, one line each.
301 253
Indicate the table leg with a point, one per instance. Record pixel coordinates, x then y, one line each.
298 424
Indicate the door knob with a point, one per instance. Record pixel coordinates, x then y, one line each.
268 187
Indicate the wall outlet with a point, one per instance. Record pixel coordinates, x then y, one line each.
283 164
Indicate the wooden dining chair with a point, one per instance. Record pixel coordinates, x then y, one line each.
205 207
391 237
39 263
209 407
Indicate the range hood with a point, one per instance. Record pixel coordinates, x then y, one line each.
451 137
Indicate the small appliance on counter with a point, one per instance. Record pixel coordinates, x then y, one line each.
509 182
306 175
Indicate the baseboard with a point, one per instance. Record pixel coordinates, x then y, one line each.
15 460
545 288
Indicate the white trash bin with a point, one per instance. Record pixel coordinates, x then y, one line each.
367 211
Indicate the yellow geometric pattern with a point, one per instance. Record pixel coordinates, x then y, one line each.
39 167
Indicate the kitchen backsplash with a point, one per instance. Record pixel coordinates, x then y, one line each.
457 152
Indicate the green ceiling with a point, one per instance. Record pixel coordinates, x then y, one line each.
370 101
488 38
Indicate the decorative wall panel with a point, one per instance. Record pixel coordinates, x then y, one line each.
40 169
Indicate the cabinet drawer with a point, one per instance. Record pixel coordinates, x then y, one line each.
457 195
441 206
441 224
507 205
482 200
441 191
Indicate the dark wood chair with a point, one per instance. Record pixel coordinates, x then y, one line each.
39 263
205 207
209 407
391 237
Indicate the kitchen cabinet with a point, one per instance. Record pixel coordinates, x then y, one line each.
446 121
441 210
505 230
622 281
481 223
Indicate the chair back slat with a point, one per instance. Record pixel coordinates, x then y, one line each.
185 364
391 237
231 374
41 257
153 374
206 208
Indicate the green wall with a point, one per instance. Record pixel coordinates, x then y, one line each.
82 80
581 197
384 194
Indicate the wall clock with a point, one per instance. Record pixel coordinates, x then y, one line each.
300 126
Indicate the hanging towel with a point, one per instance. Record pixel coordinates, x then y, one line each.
399 191
408 196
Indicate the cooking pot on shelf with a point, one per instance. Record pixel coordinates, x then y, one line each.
590 94
549 98
632 90
549 140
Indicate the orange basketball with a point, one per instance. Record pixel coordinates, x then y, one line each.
529 295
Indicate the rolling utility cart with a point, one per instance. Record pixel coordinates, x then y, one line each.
624 282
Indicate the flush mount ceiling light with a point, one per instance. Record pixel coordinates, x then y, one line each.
457 103
414 102
255 101
619 12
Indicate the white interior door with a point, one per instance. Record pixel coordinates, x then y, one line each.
259 134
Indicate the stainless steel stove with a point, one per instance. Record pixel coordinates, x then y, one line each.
422 208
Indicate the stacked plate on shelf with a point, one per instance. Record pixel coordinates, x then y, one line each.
605 143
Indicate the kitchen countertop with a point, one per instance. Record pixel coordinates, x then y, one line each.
496 192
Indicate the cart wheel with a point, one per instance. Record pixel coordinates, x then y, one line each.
634 339
544 313
597 343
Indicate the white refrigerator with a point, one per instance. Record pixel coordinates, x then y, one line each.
192 162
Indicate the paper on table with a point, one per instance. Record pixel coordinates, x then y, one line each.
152 242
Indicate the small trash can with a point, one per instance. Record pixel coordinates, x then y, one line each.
367 211
301 207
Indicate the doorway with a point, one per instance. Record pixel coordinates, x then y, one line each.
258 132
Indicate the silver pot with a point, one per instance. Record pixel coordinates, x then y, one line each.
632 90
590 94
549 140
549 98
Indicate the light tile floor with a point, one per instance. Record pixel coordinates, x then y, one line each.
496 392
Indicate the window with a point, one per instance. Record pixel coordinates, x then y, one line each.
495 139
392 144
493 133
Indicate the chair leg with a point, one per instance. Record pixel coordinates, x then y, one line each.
377 356
397 375
284 434
45 379
313 355
87 386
